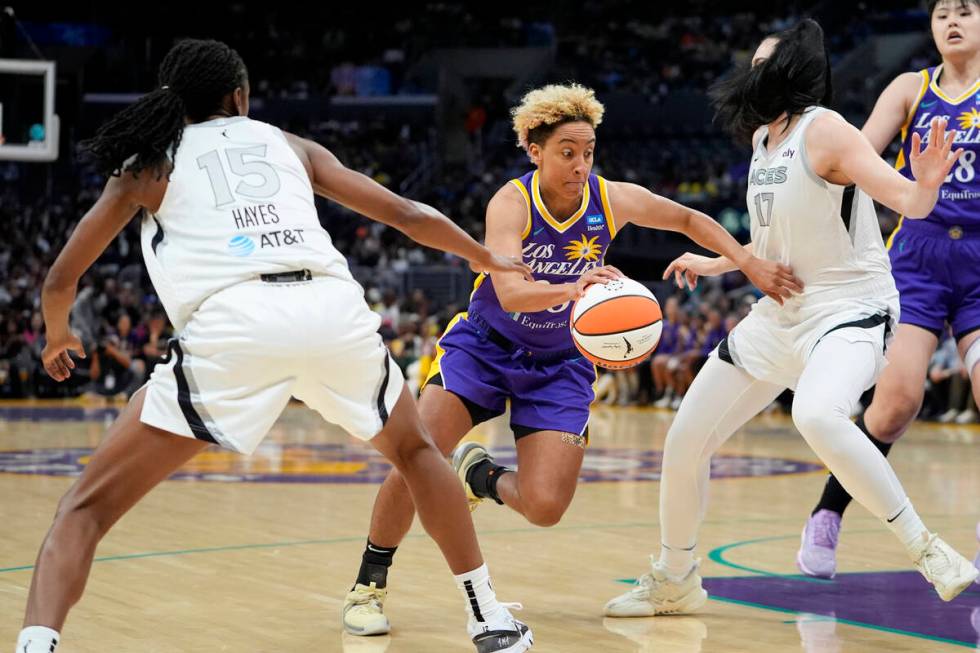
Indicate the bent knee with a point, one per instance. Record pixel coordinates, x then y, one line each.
811 420
894 416
81 519
544 511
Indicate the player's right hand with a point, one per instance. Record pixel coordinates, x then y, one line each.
775 279
57 362
602 275
688 267
496 263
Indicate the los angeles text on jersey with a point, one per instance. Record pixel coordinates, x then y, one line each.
539 257
967 125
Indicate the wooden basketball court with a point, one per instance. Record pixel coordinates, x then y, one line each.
256 554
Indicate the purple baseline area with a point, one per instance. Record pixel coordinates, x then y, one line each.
895 600
58 413
271 464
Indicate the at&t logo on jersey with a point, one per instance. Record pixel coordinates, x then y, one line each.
241 246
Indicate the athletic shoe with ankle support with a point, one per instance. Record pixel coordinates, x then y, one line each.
818 546
464 457
655 593
948 571
502 634
364 611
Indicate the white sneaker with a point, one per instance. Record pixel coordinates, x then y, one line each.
364 611
655 594
949 416
664 402
948 571
464 457
504 634
676 403
968 416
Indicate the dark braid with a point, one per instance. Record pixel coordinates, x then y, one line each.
195 76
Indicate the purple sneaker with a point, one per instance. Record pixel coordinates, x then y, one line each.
818 550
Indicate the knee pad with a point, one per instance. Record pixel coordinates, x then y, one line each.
972 357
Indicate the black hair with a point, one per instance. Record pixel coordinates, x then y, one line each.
543 132
932 4
795 76
194 77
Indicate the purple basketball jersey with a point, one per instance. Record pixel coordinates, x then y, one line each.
959 197
936 260
558 252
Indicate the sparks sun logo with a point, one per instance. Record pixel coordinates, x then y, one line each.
587 249
969 119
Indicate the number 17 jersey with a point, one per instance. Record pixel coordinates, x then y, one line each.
827 233
239 204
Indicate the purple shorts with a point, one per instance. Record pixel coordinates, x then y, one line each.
937 272
546 393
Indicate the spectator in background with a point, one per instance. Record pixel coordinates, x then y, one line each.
117 369
669 343
948 393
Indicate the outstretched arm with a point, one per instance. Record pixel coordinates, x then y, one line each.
418 221
121 199
836 148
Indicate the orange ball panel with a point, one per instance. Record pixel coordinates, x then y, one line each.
618 314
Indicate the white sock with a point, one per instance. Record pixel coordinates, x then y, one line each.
37 639
481 601
676 562
909 529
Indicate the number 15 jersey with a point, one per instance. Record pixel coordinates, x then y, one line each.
239 204
828 234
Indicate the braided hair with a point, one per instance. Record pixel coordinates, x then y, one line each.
195 76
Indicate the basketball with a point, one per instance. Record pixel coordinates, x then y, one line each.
618 324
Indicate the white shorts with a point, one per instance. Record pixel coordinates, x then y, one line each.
250 347
774 346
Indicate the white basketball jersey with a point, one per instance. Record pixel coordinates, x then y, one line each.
828 234
239 204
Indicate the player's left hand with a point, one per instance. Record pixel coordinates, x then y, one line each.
495 263
932 163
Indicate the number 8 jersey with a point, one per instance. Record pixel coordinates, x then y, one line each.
958 205
239 204
828 233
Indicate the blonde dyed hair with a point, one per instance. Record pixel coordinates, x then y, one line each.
553 105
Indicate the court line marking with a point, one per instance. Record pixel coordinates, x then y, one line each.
333 540
718 555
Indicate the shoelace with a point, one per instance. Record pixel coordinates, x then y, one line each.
825 533
367 596
934 559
